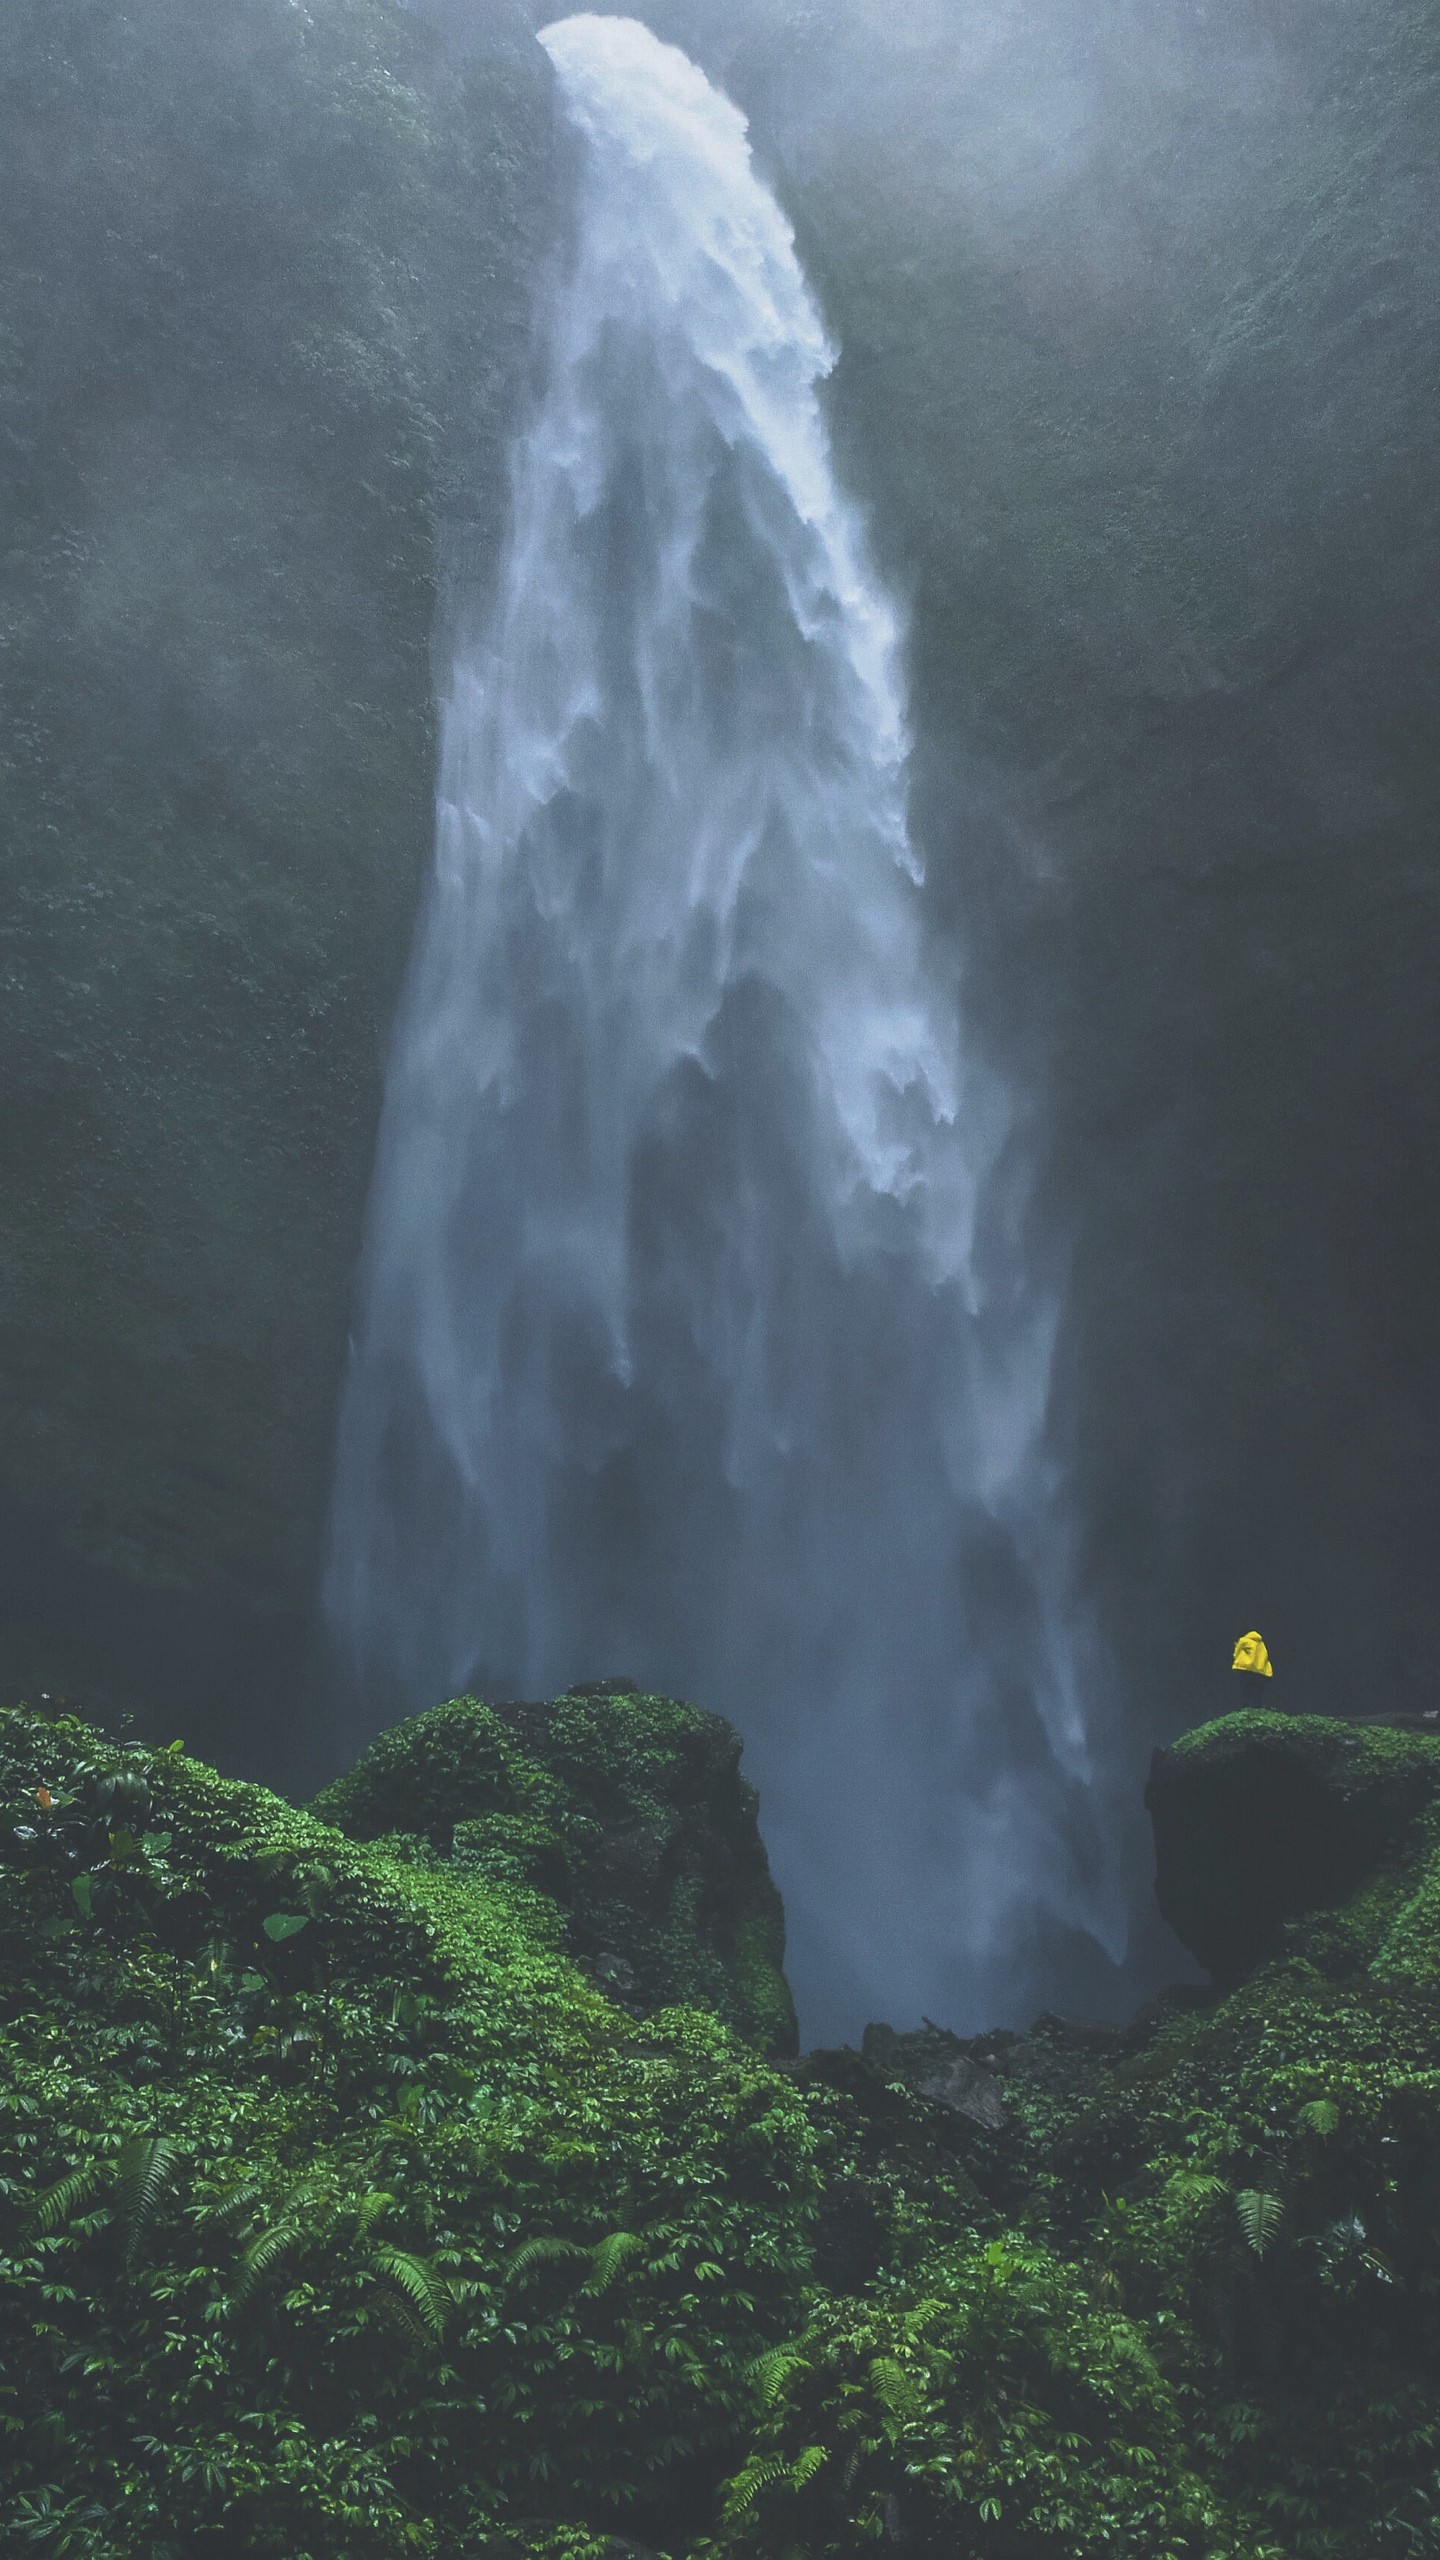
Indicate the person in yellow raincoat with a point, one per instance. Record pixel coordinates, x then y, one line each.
1252 1654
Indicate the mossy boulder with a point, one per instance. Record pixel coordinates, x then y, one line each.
1263 1820
629 1810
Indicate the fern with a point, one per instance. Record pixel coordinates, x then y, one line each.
772 2371
142 2172
423 2295
1129 2348
1258 2215
234 2201
609 2258
58 2203
535 2253
1190 2188
806 2464
263 2254
899 2390
747 2485
1321 2116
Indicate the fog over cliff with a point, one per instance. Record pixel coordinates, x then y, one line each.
1133 312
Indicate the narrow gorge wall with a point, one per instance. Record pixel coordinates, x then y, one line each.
1138 316
1137 308
267 279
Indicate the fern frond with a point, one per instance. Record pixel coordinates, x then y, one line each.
1191 2187
142 2171
609 2258
898 2389
1128 2347
263 2254
426 2294
535 2253
370 2209
1322 2116
772 2371
233 2202
1258 2215
806 2464
745 2488
58 2203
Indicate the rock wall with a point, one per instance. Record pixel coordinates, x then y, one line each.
1137 313
1136 318
267 285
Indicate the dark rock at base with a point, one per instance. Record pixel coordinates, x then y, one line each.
937 2065
1261 1819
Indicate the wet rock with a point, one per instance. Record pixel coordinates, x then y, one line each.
938 2066
1261 1819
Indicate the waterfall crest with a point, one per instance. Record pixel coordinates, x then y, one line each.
694 1340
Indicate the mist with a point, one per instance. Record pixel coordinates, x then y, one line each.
1133 313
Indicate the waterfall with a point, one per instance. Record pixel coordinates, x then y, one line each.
694 1338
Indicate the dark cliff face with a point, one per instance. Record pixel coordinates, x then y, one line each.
1136 321
1261 1821
267 276
1136 310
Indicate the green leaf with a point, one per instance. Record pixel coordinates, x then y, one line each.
535 2253
83 1889
58 2203
609 2258
772 2371
141 2172
1258 2215
424 2295
1322 2116
285 1924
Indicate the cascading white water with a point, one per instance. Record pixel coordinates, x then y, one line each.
694 1339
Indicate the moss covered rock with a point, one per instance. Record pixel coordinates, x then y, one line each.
1263 1819
630 1810
341 2211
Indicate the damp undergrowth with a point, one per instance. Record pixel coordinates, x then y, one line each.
436 2178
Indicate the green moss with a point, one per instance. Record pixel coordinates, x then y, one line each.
627 1809
369 2112
343 2210
1299 1830
1391 1767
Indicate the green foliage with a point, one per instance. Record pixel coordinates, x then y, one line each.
362 2237
1001 2410
395 2234
625 1809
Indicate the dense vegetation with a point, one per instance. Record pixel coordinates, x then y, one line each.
423 2174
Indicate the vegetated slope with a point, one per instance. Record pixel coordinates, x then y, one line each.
265 281
346 2212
